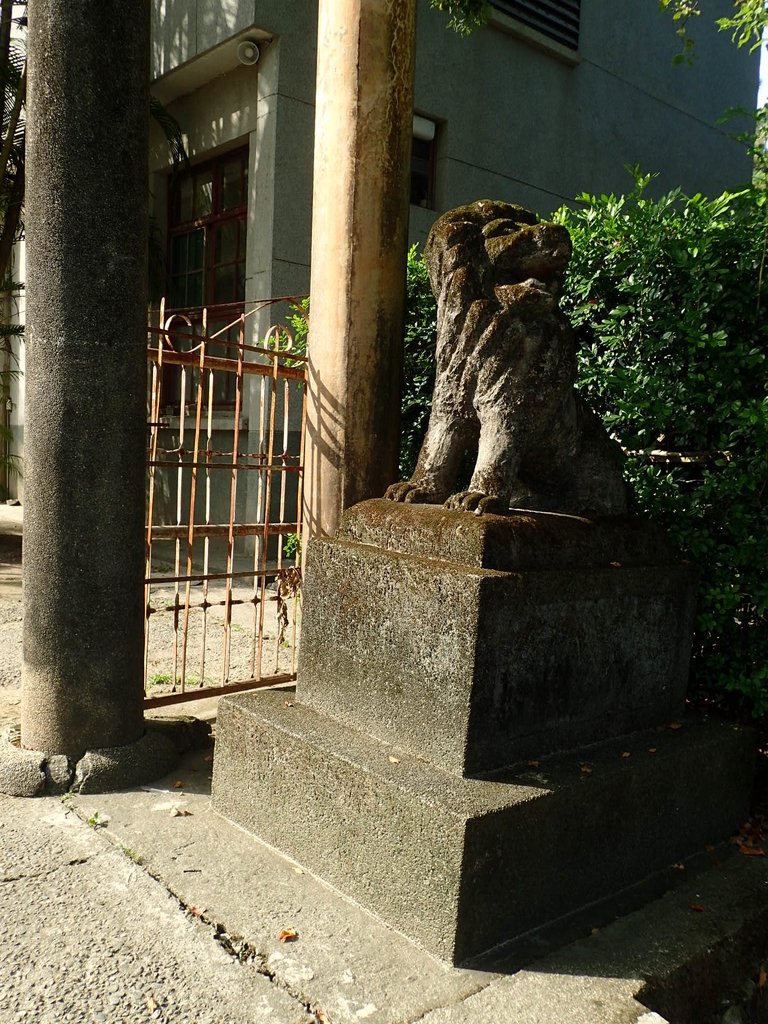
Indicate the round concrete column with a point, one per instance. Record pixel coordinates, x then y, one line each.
86 216
363 128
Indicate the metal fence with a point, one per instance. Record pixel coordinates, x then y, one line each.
225 473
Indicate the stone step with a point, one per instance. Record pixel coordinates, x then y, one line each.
464 865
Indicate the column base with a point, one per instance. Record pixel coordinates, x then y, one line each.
101 770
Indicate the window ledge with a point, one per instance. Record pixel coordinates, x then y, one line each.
506 23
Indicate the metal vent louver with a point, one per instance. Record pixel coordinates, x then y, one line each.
558 19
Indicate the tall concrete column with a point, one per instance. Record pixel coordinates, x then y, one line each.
363 131
86 216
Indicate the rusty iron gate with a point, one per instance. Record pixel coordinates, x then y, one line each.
225 472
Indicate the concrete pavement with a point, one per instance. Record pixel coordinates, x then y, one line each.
145 905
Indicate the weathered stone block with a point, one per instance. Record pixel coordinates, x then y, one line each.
477 642
463 865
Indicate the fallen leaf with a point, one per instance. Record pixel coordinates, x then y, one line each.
626 753
616 565
533 764
321 1017
151 1003
288 704
288 935
679 867
196 911
675 725
179 784
585 768
698 907
595 931
180 812
762 978
393 760
751 851
652 750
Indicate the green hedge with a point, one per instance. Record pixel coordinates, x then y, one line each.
668 299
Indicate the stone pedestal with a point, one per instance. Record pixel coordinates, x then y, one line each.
480 743
478 641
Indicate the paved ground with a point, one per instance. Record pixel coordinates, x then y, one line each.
147 906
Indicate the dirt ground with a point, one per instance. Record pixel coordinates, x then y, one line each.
214 655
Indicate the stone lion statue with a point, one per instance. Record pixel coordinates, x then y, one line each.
506 366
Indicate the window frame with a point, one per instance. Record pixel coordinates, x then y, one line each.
219 313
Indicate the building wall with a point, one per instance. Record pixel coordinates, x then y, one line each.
520 117
528 121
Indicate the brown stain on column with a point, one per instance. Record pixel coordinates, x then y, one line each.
363 133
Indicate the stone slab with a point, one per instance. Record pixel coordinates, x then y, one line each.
475 668
521 540
464 865
90 936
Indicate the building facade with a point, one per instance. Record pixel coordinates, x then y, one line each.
550 99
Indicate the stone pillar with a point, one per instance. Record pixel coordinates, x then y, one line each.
86 216
363 131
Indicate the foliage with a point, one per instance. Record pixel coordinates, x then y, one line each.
747 24
464 16
298 318
292 547
754 139
682 11
418 362
668 301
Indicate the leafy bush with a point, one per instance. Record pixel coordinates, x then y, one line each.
668 299
418 362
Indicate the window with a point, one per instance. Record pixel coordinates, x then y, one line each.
423 163
206 231
206 250
558 19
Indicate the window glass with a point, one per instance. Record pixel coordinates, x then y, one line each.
177 291
195 289
206 263
178 254
203 195
422 170
186 203
232 183
226 242
196 249
224 283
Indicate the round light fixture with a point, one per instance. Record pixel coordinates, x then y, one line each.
248 52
